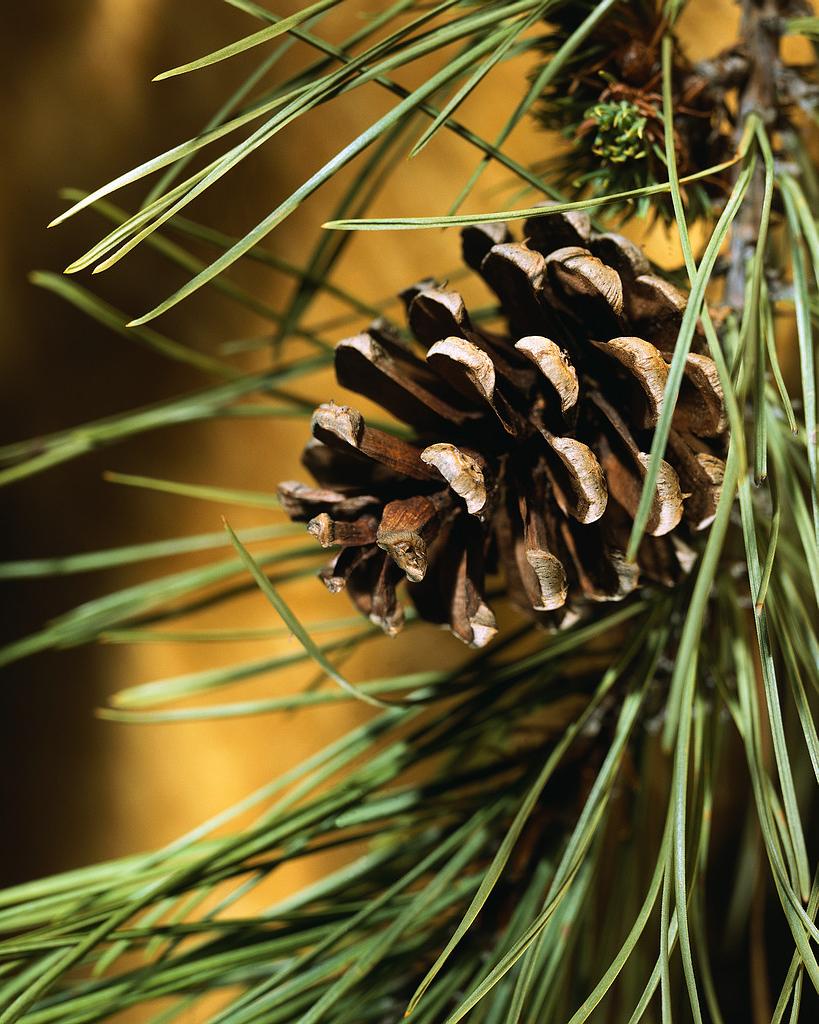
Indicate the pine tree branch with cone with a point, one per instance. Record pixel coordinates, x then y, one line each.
600 476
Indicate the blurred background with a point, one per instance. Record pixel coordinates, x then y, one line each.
79 108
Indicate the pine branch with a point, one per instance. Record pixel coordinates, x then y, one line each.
537 830
760 32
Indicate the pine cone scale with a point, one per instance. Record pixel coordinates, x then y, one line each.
464 471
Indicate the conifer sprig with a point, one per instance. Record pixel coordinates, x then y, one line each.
489 812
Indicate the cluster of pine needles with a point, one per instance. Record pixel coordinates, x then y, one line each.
532 835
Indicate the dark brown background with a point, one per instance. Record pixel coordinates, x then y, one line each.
78 108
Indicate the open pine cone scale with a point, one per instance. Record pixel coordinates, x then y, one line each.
530 447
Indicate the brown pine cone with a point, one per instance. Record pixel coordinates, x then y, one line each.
607 100
529 446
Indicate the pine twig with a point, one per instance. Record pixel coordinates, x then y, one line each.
761 28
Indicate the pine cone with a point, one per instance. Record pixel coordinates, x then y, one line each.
607 99
530 446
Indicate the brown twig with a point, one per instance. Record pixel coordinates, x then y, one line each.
760 31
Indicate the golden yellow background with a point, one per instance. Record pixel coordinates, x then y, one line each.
78 109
